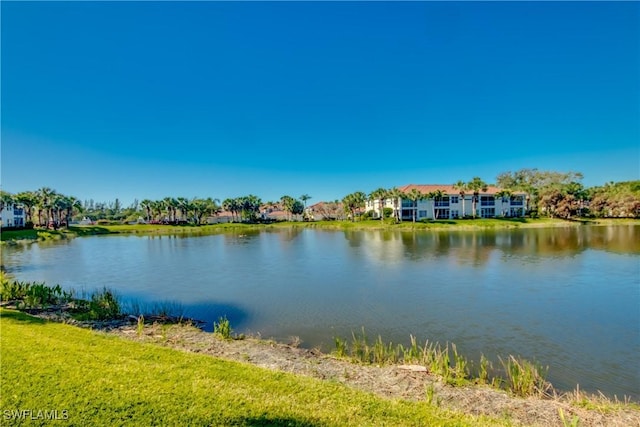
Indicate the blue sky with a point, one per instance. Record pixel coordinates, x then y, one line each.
222 99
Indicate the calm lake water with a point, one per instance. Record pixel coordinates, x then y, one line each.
567 297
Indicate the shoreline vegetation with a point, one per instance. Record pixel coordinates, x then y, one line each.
44 234
429 377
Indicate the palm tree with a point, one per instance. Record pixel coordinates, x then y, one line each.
61 203
6 200
250 206
461 186
147 205
229 205
354 201
171 206
45 201
156 209
434 196
28 200
381 194
184 205
304 199
203 208
287 204
504 196
476 185
396 195
414 195
66 205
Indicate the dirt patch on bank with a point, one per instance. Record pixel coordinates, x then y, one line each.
394 382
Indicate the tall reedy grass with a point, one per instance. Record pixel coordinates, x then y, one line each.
523 378
526 378
222 328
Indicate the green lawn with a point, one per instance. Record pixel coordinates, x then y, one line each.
104 380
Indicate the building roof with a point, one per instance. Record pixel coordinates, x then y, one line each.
448 189
322 205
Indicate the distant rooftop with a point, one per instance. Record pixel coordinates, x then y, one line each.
447 188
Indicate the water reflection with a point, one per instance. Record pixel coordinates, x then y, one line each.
476 247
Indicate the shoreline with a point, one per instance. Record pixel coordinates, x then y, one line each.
43 234
393 381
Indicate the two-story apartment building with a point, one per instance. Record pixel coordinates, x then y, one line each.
452 204
12 216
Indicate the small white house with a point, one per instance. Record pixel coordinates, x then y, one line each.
12 216
452 204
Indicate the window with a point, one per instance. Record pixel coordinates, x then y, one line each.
517 200
488 212
454 199
442 214
487 201
422 214
454 214
442 201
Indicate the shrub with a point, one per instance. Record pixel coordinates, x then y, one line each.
222 328
11 290
104 305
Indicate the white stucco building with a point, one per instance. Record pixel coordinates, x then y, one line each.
452 205
12 216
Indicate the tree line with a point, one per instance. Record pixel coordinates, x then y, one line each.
46 207
547 193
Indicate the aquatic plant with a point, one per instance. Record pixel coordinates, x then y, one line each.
222 328
523 378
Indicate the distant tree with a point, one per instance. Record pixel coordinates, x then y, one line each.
621 199
231 205
396 196
381 194
476 185
504 196
117 207
147 205
184 206
533 182
202 208
297 208
250 206
157 208
304 199
415 195
462 188
353 202
436 195
169 205
45 204
71 205
28 199
6 199
287 204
